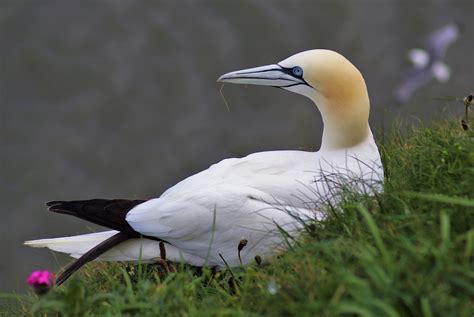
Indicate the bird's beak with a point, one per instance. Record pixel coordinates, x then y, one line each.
270 75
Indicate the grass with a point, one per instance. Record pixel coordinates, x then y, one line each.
406 252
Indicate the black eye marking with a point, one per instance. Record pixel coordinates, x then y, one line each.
294 71
297 72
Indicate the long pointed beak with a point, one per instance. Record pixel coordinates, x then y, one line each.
270 75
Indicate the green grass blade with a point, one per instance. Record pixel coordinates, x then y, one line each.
440 198
375 233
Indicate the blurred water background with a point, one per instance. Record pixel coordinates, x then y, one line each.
118 99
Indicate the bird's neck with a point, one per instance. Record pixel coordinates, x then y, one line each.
345 126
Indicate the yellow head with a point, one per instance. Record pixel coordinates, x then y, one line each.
333 83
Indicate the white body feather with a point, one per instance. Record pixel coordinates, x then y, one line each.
209 213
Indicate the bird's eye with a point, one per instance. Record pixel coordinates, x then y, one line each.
297 71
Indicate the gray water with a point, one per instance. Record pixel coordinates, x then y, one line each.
118 99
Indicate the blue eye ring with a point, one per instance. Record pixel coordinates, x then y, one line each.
297 71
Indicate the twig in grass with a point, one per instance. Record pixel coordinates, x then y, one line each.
241 245
258 259
223 98
227 265
467 101
233 284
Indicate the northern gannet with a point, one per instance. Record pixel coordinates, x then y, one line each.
203 218
428 64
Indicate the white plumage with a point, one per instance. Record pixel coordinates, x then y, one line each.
206 215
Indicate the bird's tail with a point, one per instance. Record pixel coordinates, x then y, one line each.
103 246
85 248
123 249
108 245
112 246
75 246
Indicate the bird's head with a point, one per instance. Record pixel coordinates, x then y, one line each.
333 83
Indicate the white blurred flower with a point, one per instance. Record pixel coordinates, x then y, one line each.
272 287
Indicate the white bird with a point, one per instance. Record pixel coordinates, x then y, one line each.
428 64
204 218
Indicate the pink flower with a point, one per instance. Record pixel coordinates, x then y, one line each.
41 281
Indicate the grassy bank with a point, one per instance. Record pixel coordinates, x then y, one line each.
406 252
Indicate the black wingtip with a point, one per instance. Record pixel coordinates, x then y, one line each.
58 206
110 213
53 203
